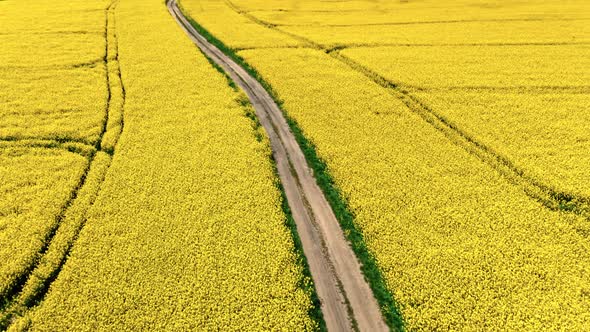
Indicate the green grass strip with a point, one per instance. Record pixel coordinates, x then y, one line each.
324 179
306 282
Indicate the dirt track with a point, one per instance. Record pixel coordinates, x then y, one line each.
347 300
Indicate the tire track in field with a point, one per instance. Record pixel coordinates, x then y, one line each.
534 187
508 44
74 146
339 47
347 300
34 284
491 20
40 141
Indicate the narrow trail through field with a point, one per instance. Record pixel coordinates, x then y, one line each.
347 301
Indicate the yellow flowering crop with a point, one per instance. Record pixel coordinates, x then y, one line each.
235 30
187 230
67 50
179 225
52 103
460 247
34 185
58 17
527 103
306 5
545 134
52 73
53 98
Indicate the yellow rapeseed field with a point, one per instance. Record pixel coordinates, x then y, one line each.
138 193
37 17
52 103
187 231
528 103
34 184
460 246
52 73
53 97
236 30
177 225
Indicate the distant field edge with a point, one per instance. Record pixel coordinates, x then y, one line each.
389 307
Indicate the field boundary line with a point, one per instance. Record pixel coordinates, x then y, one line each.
429 22
89 64
581 89
373 45
37 141
492 44
81 148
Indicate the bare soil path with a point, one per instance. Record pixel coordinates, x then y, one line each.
346 298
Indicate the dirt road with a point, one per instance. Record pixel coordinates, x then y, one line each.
347 300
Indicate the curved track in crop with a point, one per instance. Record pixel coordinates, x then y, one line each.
30 288
347 300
